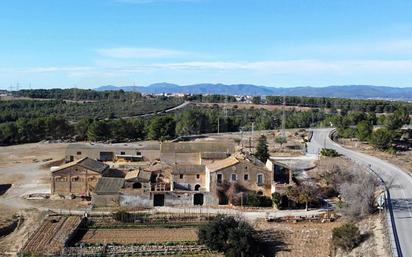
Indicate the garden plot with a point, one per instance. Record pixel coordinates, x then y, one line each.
139 235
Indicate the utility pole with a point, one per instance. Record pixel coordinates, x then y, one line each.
284 117
218 124
225 108
253 128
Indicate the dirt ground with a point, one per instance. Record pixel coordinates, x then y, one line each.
375 241
298 239
139 236
314 239
401 159
24 166
9 245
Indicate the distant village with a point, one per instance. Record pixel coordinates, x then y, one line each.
199 172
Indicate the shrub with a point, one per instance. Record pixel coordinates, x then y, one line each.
228 235
256 200
346 237
329 152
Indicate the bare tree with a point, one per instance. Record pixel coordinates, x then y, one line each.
358 195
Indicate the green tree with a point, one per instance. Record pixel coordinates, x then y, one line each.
81 128
281 140
191 122
162 128
98 130
256 100
228 235
277 199
303 194
262 151
363 130
381 139
346 237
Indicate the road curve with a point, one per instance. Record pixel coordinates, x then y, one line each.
400 187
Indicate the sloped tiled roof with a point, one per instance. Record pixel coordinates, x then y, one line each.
107 185
86 163
221 164
132 174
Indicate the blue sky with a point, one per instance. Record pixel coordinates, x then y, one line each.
89 43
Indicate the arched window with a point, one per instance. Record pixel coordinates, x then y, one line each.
197 187
137 185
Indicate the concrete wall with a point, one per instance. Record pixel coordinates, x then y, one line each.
178 199
181 158
105 200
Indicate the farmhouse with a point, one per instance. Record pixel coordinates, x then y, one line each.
248 173
111 153
78 177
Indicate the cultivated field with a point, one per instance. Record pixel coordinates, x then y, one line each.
255 106
139 236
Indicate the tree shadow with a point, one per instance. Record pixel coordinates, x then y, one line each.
271 242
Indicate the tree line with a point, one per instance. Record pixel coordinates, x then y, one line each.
159 127
76 94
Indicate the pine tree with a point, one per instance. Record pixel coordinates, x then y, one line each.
262 152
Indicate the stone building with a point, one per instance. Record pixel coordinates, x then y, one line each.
112 152
248 173
78 177
107 192
188 178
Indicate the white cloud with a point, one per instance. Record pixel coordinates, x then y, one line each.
367 48
135 53
271 67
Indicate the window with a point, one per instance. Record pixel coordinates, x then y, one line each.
122 153
181 176
233 177
138 153
219 178
260 179
79 153
197 176
246 177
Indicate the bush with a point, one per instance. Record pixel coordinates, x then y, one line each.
228 235
329 152
346 237
256 200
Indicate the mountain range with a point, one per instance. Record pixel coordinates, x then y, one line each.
344 91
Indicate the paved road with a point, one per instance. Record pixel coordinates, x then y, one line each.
400 188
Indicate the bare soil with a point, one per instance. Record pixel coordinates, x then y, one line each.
139 236
375 242
298 239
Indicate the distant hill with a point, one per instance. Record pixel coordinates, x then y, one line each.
345 91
